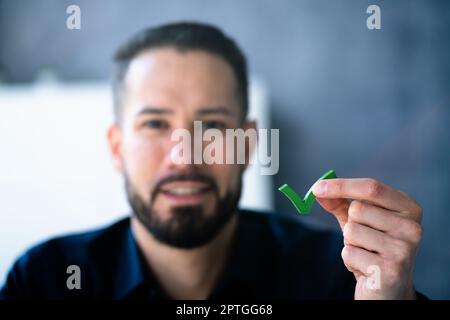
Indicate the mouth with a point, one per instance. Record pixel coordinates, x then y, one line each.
186 192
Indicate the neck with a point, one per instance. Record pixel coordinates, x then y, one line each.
186 273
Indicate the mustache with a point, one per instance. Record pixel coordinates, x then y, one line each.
186 176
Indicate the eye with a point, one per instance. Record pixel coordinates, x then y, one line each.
214 124
156 124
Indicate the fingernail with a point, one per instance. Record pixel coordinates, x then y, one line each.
320 188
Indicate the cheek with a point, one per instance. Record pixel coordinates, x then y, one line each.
143 158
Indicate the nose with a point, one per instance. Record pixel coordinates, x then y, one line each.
184 150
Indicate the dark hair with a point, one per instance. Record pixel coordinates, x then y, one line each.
182 36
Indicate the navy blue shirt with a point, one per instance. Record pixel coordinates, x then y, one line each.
273 256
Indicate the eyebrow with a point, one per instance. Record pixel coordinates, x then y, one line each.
202 112
213 110
154 110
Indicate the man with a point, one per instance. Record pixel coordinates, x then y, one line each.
186 238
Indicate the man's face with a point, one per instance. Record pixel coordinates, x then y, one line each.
183 205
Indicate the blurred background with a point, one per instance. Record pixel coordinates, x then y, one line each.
367 103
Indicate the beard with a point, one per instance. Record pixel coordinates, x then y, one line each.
187 226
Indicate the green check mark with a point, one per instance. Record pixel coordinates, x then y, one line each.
305 205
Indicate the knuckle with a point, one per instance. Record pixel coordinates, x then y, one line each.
338 186
374 188
415 232
419 211
415 207
401 251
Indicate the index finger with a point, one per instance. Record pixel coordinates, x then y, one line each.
367 190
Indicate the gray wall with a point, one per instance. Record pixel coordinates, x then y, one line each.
366 103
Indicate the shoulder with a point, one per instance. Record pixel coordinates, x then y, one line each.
76 246
46 263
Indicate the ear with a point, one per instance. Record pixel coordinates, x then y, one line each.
114 136
250 144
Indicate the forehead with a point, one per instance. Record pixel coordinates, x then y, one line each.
168 77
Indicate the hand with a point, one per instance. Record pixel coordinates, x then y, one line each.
382 231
